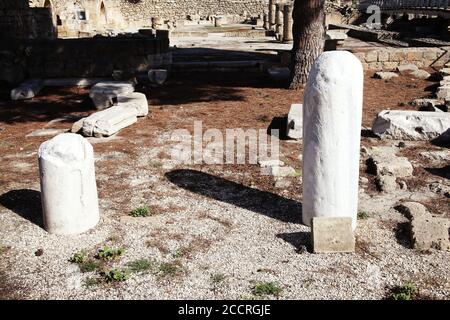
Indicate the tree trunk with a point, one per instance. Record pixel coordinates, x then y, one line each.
309 38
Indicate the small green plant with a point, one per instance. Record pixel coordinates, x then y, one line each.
267 288
408 291
91 282
298 173
218 278
89 266
141 265
108 253
362 215
116 275
3 249
169 268
79 257
140 212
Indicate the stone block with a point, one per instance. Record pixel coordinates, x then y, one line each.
413 210
332 235
386 164
109 121
27 90
135 100
295 122
412 125
371 56
104 93
385 75
430 233
407 68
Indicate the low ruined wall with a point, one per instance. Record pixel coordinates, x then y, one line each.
95 57
390 58
18 21
144 10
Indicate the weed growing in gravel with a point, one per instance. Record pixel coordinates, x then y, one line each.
408 291
297 174
91 282
116 275
108 253
3 249
267 288
170 268
182 252
141 265
140 212
79 257
218 278
362 215
89 266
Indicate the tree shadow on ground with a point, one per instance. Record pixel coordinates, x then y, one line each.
402 234
443 172
26 203
263 202
300 240
280 124
49 104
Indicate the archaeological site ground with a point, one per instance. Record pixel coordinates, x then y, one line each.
224 150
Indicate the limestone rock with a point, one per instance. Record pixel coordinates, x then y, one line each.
412 125
420 74
109 121
332 235
430 233
413 210
407 68
134 100
386 183
392 165
27 90
77 126
385 75
295 122
103 94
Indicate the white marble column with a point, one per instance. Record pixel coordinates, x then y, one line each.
288 22
68 186
332 114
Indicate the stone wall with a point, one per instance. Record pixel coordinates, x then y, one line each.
19 21
90 57
144 10
390 58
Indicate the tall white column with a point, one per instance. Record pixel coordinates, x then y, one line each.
332 114
68 187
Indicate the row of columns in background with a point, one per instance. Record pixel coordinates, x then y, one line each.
279 19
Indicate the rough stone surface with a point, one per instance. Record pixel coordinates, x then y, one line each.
386 183
295 122
27 90
332 235
385 75
68 186
383 164
413 210
430 233
407 68
412 125
109 121
332 117
134 100
104 93
421 74
77 126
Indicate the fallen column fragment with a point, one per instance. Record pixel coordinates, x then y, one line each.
27 90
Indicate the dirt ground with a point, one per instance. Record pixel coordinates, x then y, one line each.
208 222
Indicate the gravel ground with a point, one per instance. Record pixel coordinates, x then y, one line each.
215 231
